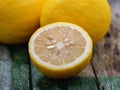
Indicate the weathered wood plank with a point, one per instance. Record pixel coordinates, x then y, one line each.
82 83
5 68
19 67
87 72
106 59
107 52
14 67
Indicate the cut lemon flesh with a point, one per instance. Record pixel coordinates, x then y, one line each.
60 50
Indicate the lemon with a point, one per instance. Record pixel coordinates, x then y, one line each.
93 15
19 19
60 50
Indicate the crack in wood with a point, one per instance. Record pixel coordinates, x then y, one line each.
96 77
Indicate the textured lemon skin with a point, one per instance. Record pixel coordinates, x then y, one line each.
19 19
61 73
93 15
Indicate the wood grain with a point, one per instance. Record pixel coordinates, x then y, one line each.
106 59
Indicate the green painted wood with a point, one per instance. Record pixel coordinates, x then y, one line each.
109 83
19 67
82 83
14 70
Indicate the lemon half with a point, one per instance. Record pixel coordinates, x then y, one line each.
60 50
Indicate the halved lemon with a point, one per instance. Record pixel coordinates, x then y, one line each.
60 50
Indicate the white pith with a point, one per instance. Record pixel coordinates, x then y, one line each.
59 46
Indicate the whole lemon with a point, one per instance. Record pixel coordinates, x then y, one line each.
93 15
19 19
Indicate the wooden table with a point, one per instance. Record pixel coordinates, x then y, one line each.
103 73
